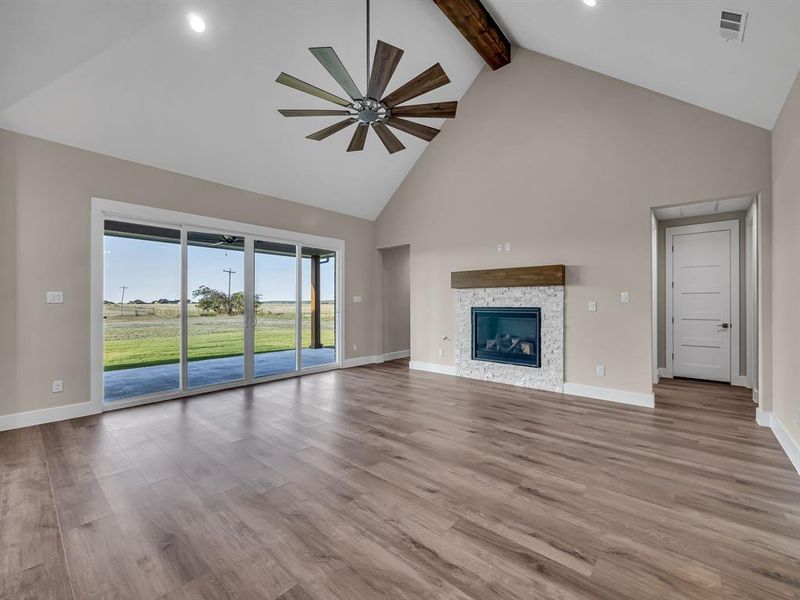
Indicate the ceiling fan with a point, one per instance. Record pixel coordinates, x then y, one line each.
373 109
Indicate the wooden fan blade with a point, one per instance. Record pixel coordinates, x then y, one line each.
433 78
435 110
385 62
302 112
359 137
417 129
330 60
388 138
298 84
330 130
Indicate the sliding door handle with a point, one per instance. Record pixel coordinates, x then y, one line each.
725 325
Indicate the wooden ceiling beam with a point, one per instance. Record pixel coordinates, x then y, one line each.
476 24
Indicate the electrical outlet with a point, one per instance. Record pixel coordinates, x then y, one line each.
357 299
600 370
441 352
58 386
55 297
592 306
624 297
355 347
499 248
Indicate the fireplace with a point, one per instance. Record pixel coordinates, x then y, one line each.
507 335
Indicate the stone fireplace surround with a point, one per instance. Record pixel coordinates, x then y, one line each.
550 298
514 287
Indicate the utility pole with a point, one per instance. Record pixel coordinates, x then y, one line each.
122 300
229 272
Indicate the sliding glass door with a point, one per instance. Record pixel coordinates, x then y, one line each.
141 310
215 308
188 308
275 308
319 307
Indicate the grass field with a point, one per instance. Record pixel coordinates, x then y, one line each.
140 335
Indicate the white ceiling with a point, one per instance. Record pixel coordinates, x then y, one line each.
130 79
671 46
701 209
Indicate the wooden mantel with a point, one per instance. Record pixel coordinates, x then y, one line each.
510 277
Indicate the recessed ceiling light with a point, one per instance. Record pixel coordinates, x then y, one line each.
590 2
197 23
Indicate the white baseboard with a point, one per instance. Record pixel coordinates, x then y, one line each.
46 415
574 389
396 355
373 359
612 395
740 381
763 417
432 367
360 361
789 445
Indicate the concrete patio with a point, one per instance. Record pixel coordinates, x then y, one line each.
141 381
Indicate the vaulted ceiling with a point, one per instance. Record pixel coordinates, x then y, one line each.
130 79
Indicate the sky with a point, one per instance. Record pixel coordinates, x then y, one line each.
151 270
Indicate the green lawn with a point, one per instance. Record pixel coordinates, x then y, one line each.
148 334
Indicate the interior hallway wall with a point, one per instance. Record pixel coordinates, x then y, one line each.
395 263
785 270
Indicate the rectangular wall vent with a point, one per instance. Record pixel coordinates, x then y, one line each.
731 25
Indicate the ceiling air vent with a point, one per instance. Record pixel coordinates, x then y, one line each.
731 25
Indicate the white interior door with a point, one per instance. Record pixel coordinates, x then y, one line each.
701 305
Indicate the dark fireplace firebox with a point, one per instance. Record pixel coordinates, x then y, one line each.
507 335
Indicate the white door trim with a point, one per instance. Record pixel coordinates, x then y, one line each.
751 291
733 227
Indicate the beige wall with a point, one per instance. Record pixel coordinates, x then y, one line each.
396 298
785 269
565 164
740 216
45 191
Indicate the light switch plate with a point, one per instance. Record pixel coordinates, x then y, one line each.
55 297
58 386
600 370
592 306
508 246
624 297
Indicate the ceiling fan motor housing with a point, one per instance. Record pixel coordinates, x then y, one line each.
371 111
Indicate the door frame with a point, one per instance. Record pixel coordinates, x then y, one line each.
671 232
102 209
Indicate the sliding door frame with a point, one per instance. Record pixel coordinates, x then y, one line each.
103 209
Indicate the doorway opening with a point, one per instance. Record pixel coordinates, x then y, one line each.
396 294
704 289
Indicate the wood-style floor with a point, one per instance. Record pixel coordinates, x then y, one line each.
380 482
